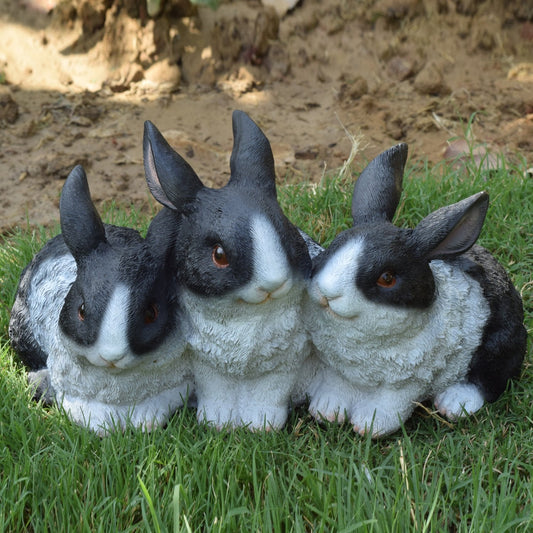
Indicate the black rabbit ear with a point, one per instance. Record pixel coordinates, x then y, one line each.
252 162
81 225
453 229
378 189
171 180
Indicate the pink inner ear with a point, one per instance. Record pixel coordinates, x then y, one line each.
462 236
152 179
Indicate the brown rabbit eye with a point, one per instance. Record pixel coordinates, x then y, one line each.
387 280
219 256
81 312
150 314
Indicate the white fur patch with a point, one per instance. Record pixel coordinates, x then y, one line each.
144 395
336 281
459 399
147 414
48 288
246 358
112 347
272 275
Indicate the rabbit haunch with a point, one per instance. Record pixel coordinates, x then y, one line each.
426 349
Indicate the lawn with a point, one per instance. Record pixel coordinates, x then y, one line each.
472 475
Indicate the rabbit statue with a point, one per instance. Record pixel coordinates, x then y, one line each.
97 319
243 267
401 315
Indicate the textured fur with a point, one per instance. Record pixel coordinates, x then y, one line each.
247 338
448 328
52 270
112 366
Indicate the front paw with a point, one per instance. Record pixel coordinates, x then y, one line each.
328 407
331 397
265 418
382 411
216 415
255 420
458 400
377 421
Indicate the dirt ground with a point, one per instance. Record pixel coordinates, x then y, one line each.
77 81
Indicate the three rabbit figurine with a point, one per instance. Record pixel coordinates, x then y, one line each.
226 301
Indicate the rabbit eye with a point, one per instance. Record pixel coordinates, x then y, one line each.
81 312
219 256
387 280
150 314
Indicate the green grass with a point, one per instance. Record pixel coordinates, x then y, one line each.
474 475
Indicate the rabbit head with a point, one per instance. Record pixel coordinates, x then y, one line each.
377 264
118 307
236 239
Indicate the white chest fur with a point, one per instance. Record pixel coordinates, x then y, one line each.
246 357
242 339
145 394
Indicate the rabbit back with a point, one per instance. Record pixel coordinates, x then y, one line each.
501 351
42 288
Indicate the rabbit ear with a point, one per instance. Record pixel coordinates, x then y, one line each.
378 189
252 162
171 180
81 225
453 229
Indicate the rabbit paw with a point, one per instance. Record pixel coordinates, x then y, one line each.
254 419
326 407
458 400
41 386
331 396
216 415
259 403
267 419
382 411
377 420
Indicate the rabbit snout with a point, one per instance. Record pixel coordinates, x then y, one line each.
333 287
266 291
276 288
273 276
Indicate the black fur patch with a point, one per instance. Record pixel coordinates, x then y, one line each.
502 350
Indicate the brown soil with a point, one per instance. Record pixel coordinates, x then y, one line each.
78 81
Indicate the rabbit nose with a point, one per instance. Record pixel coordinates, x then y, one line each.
112 356
328 288
276 286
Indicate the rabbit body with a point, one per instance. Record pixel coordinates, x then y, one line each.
97 317
244 268
245 373
399 316
386 359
